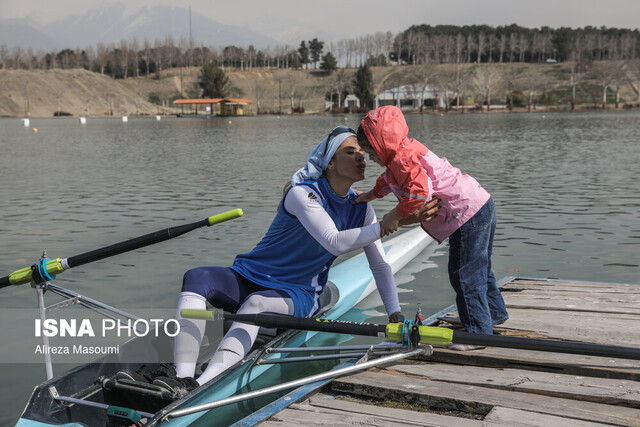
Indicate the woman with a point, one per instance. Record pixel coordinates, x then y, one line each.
286 272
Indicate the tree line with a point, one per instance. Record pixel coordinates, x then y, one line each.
441 44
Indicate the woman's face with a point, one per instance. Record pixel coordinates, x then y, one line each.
348 163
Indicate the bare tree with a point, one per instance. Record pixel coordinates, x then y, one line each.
471 46
487 79
482 46
124 58
633 76
158 53
4 56
341 83
578 72
146 54
605 73
424 75
135 56
531 81
102 56
454 81
513 46
502 46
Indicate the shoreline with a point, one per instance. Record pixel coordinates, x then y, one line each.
470 110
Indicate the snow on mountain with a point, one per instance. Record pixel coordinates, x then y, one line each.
109 24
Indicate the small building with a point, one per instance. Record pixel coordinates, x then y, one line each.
210 107
349 103
236 107
408 97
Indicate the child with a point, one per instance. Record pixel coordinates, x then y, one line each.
466 216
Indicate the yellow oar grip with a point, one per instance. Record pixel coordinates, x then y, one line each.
428 334
24 275
225 216
189 313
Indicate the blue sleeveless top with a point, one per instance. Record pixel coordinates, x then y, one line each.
288 258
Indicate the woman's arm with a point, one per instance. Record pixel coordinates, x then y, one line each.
305 204
382 272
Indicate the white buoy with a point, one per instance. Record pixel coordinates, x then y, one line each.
82 120
158 117
125 119
26 122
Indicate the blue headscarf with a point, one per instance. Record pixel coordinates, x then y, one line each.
321 155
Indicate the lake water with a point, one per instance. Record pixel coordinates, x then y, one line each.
565 186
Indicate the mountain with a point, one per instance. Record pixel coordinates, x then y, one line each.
27 34
112 23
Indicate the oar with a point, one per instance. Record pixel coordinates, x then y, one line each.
427 334
58 265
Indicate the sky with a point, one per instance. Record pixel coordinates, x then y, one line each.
351 18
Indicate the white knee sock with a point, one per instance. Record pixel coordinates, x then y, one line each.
234 346
187 342
240 338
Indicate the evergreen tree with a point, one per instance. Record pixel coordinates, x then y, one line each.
329 63
213 81
303 51
363 86
315 48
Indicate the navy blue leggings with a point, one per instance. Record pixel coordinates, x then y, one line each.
223 287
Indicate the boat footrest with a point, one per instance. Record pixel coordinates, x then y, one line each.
147 397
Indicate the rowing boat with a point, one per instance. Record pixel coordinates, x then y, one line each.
89 394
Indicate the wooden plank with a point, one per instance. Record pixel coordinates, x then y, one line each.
516 417
571 364
351 414
613 329
296 416
474 399
562 301
570 285
392 414
612 392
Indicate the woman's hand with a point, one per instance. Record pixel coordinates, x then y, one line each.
424 214
396 317
390 223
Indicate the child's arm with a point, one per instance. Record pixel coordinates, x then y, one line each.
415 187
365 197
381 189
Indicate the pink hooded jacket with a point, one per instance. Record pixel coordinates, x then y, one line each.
414 174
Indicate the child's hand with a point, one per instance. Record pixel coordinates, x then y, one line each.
365 197
390 223
428 212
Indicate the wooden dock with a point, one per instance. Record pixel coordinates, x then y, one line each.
499 386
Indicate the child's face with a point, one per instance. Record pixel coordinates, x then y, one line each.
373 156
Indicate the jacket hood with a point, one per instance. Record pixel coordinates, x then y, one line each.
387 130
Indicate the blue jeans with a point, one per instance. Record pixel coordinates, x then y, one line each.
480 304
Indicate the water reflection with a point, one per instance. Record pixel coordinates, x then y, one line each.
565 188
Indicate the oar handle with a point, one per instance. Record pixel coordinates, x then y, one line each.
225 216
57 266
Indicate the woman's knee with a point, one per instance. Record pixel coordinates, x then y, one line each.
267 302
194 280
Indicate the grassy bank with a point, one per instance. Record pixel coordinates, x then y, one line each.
80 92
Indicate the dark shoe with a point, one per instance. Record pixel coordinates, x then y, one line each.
177 386
139 375
164 370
